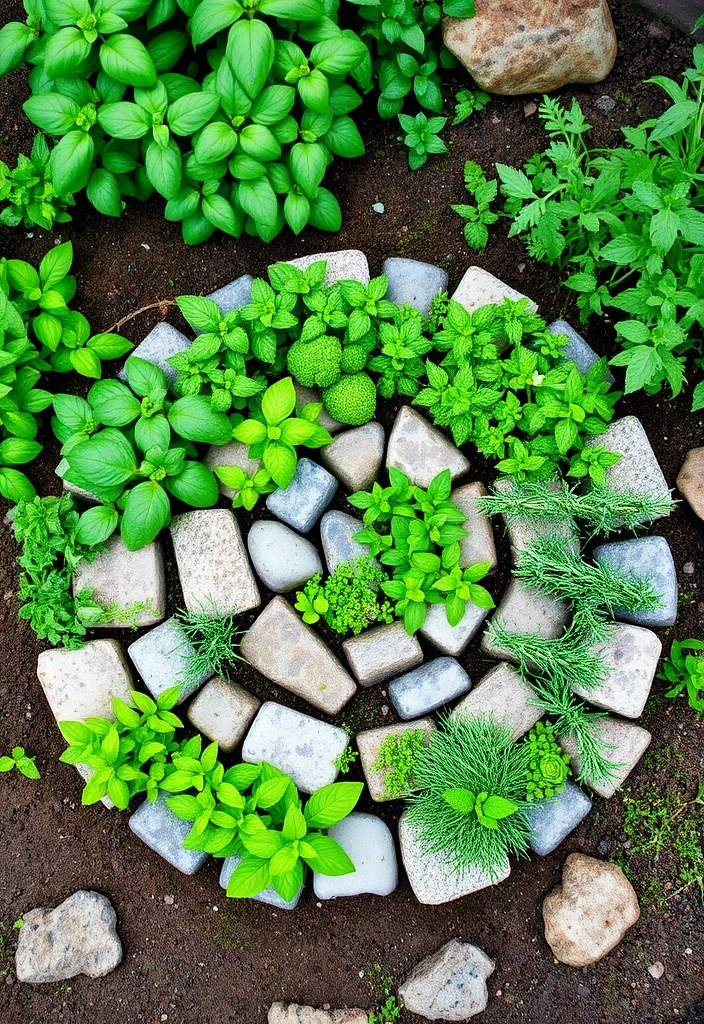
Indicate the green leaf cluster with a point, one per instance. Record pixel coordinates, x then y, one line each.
20 761
27 196
396 758
547 766
349 600
685 672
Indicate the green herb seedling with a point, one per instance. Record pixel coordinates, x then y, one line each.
21 762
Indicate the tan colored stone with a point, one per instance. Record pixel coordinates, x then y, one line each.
690 482
234 454
368 744
478 545
504 696
588 915
294 1014
534 46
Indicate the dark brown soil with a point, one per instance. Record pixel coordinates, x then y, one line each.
198 956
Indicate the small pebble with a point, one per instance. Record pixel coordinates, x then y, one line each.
656 970
605 847
605 103
688 567
378 207
147 247
169 901
688 951
530 108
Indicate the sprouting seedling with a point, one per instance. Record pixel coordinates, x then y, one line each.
22 762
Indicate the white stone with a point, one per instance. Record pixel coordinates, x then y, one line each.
449 639
127 579
279 1013
413 283
504 696
526 610
268 895
432 877
159 345
420 451
282 559
160 657
631 657
215 574
157 826
78 492
234 454
480 288
303 747
81 684
355 456
337 531
381 652
284 649
450 984
432 684
478 545
222 712
368 843
369 743
624 745
638 469
343 265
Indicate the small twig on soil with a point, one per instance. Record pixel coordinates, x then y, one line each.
162 305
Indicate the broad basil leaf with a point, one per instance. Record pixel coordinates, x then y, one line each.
147 511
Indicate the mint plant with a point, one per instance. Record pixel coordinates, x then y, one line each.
21 762
685 672
27 196
422 137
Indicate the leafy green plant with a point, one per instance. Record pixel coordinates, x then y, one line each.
548 767
47 529
349 600
400 365
479 216
422 137
210 643
20 761
387 1013
396 757
470 761
248 488
467 102
685 671
27 195
344 761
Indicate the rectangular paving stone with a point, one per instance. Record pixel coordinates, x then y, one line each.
157 826
631 656
428 687
303 502
413 283
553 820
126 579
449 639
526 610
303 747
432 877
480 288
159 345
503 695
284 649
368 745
651 558
381 652
234 295
638 469
81 684
269 895
420 451
523 530
160 657
625 743
354 457
478 545
213 567
223 711
343 265
337 531
577 350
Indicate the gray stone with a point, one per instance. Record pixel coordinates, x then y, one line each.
234 454
280 646
624 745
690 481
631 656
480 288
382 652
355 456
502 695
344 265
81 684
525 610
234 295
337 531
605 103
282 559
157 826
302 503
368 843
553 820
523 530
412 283
369 743
449 639
77 937
435 683
638 471
126 580
159 345
303 747
304 396
683 13
223 711
268 895
651 558
215 574
450 984
478 545
577 349
432 876
589 913
77 492
420 451
279 1013
160 656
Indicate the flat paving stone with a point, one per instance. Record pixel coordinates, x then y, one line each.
449 639
159 345
478 545
157 826
524 530
223 711
303 747
368 744
577 350
355 456
381 652
638 469
428 687
215 574
420 451
337 531
526 610
126 580
282 559
480 288
413 283
502 695
343 265
553 820
234 454
368 842
690 481
625 743
269 896
651 558
631 657
234 295
284 649
80 684
303 502
160 657
432 877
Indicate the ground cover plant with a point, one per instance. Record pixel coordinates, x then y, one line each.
547 766
396 758
685 672
349 600
19 760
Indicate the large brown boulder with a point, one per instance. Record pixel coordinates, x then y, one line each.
527 46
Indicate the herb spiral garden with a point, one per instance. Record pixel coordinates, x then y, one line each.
349 553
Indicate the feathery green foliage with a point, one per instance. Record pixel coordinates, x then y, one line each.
210 642
477 755
397 757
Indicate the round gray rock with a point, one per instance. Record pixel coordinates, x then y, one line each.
449 984
282 559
